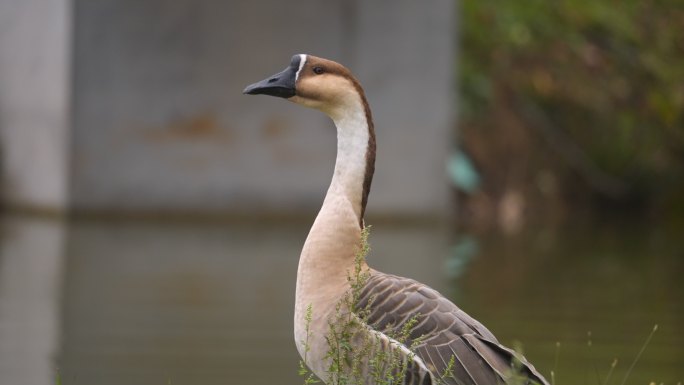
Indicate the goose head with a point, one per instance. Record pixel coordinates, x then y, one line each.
331 88
313 82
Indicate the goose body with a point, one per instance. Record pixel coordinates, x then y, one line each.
443 344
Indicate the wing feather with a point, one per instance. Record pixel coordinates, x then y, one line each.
459 372
502 358
439 331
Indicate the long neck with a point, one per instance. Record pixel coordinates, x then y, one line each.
355 163
330 249
329 254
334 238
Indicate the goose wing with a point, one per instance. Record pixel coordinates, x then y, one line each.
436 330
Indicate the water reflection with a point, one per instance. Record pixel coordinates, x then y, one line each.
31 254
596 290
179 304
193 304
168 303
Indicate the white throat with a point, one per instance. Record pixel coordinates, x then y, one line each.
352 145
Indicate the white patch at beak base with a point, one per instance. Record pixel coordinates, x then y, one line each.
302 61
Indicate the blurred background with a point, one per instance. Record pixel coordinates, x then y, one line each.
530 167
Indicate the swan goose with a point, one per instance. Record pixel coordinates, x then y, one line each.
437 329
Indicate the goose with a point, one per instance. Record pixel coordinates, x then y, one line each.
442 344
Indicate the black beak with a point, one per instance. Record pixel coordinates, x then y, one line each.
281 84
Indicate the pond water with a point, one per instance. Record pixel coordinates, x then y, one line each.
126 302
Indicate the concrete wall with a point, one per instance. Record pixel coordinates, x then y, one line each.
160 124
34 102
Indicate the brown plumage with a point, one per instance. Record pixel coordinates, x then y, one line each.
441 329
438 331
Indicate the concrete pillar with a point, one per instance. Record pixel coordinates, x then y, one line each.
35 47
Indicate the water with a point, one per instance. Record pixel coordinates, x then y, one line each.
125 302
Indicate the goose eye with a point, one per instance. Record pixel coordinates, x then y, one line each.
318 70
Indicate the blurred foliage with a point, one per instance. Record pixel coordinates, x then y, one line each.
600 82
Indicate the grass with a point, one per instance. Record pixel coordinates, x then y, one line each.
608 380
